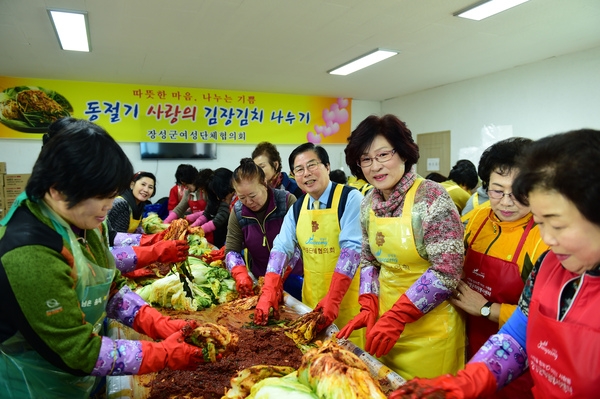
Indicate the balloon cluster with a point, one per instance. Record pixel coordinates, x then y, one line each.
333 117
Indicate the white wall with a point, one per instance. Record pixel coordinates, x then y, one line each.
552 96
20 155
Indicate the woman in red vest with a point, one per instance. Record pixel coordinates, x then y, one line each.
555 330
502 244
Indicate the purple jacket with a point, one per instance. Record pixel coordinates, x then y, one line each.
259 235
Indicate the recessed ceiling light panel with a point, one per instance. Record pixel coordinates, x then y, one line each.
487 8
71 28
363 61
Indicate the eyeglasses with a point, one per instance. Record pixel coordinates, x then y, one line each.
497 194
365 162
311 167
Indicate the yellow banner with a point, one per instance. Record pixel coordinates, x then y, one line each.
144 113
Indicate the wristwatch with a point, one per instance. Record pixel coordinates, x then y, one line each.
486 309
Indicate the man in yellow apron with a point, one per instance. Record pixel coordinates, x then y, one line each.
325 224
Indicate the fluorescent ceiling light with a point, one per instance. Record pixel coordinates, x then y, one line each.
71 28
362 62
487 8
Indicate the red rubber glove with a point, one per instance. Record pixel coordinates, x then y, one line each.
386 331
166 251
270 296
369 310
151 322
173 352
243 282
215 254
151 239
330 304
475 381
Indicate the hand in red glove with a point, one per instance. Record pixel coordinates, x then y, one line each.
243 282
166 251
270 296
173 352
369 310
475 381
151 322
151 239
330 304
386 331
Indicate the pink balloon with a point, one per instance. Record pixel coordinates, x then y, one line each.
341 116
331 129
319 129
328 116
313 138
342 102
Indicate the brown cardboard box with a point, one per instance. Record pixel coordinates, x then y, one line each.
8 203
16 180
10 193
2 167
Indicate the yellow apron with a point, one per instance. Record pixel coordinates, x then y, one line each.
434 344
133 223
318 234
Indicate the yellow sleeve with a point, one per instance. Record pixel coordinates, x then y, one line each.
506 310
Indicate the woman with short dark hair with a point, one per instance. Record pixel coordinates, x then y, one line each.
555 330
58 281
411 258
254 222
128 208
266 156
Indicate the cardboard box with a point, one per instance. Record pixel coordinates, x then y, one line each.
8 204
2 167
16 181
10 193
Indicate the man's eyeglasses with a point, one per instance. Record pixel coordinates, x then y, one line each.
498 195
365 162
311 167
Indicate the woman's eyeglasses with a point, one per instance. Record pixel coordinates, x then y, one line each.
498 195
365 162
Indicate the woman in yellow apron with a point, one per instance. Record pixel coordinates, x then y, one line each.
411 256
325 225
128 208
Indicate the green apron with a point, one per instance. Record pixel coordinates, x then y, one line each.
25 374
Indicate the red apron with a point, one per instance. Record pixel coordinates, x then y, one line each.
564 355
499 281
198 204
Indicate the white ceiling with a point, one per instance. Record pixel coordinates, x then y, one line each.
287 46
